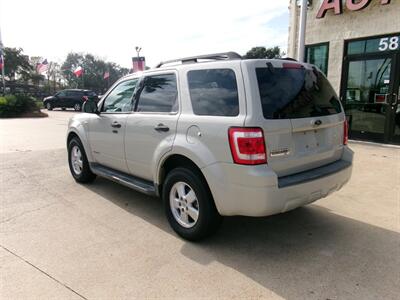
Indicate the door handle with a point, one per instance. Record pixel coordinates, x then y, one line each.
115 124
161 127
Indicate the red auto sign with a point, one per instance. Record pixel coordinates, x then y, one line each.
337 7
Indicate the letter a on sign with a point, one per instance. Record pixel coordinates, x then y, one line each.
357 6
336 5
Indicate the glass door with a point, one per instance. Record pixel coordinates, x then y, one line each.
370 83
395 108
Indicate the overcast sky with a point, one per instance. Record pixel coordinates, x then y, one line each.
164 29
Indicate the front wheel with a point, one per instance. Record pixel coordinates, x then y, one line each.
189 205
49 106
78 163
77 107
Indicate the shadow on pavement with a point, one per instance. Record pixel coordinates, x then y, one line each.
301 254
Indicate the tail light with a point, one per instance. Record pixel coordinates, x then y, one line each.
247 146
345 132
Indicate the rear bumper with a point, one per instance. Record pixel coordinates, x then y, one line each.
257 191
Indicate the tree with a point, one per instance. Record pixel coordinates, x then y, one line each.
54 75
72 61
16 63
262 52
36 78
94 69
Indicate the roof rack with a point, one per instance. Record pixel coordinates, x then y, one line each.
288 58
194 59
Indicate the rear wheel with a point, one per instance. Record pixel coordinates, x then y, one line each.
77 107
189 206
49 106
78 163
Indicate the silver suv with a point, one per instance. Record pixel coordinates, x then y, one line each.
216 135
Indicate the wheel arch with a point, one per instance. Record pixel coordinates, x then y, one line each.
174 161
75 132
70 136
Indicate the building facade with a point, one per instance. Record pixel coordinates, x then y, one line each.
356 43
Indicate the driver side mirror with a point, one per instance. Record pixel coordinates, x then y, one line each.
90 107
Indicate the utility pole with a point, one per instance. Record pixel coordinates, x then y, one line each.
138 49
2 69
302 31
108 78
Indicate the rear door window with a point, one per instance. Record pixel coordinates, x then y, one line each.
159 94
293 92
75 94
214 92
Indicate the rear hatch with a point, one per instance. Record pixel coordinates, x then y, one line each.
299 113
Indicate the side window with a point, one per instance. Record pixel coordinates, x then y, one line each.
75 94
90 93
120 98
62 94
159 94
214 92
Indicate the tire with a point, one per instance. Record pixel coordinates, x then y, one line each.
63 108
49 106
208 218
77 107
81 172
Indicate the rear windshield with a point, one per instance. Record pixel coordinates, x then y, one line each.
288 93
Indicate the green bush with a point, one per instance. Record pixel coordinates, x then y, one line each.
39 104
15 105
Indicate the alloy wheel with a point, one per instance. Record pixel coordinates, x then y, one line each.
76 160
184 204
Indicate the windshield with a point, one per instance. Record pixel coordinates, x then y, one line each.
288 93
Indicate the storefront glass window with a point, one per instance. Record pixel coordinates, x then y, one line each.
318 55
382 44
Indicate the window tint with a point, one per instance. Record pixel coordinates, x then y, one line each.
159 94
295 93
120 98
62 94
214 92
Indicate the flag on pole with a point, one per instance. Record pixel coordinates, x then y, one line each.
2 65
138 63
106 75
42 67
78 71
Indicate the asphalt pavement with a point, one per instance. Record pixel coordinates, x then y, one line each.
63 240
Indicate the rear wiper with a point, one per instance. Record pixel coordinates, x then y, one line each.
270 67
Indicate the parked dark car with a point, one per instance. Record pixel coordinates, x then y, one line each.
69 99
